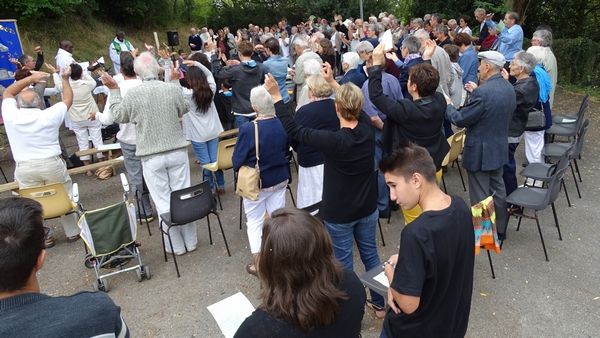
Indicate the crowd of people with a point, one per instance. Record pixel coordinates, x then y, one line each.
366 105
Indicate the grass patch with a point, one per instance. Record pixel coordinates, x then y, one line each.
593 92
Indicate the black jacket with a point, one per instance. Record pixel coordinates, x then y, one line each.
243 78
527 91
417 121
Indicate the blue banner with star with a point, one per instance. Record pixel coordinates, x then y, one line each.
10 47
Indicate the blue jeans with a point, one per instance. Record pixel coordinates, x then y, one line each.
206 152
239 120
364 231
509 174
383 192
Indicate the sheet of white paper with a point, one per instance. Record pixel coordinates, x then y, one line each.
84 66
231 312
101 60
382 279
110 146
387 40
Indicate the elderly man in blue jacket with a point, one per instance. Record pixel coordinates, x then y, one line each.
486 117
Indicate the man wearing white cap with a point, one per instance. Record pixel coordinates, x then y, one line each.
486 117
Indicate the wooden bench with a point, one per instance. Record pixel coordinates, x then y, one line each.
73 171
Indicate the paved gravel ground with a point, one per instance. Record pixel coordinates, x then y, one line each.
529 298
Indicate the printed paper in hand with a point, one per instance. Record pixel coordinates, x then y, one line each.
382 279
231 312
387 40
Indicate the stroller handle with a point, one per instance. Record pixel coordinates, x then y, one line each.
124 182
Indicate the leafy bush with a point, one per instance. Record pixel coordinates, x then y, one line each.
578 61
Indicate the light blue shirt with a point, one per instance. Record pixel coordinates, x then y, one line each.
391 88
277 65
511 41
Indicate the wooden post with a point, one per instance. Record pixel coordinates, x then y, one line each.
156 41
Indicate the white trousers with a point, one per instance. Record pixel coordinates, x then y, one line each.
310 185
46 171
268 201
81 130
164 173
534 144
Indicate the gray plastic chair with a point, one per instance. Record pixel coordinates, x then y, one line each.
556 149
570 119
543 171
538 199
569 129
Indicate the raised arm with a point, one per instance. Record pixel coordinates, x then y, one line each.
14 89
118 109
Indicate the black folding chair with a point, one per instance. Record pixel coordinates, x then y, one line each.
189 205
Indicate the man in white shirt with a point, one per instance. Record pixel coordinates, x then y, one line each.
64 56
117 45
33 137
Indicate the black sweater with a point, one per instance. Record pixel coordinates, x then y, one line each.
349 184
315 115
417 121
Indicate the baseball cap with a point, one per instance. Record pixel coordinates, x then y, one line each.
493 57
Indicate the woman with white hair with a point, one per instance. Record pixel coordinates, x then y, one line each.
541 44
311 67
274 167
350 62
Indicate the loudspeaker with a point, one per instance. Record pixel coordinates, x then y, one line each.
173 38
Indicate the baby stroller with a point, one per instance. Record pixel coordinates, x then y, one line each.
110 236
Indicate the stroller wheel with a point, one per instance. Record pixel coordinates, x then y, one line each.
140 274
89 261
147 273
100 285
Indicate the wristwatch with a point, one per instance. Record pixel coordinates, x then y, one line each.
388 263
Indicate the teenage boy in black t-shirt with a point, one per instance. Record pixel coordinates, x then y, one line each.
431 279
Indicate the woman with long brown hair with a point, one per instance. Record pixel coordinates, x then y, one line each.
305 291
201 124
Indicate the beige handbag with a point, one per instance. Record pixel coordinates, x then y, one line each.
248 179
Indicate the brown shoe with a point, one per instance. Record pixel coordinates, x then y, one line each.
49 242
251 269
72 239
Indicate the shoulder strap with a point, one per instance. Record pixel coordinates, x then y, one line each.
256 142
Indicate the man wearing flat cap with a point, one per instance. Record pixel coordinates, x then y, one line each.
486 117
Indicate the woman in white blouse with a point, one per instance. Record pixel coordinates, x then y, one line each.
464 26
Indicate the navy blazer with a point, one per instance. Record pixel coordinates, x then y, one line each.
486 118
355 76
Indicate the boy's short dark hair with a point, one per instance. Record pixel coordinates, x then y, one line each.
273 45
408 160
21 241
245 48
76 71
426 77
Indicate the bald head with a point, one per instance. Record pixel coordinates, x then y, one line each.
66 45
28 98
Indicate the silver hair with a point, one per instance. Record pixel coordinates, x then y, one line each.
261 101
352 59
418 22
452 21
146 67
412 44
33 102
422 34
545 37
526 61
480 11
364 46
301 42
441 29
312 67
